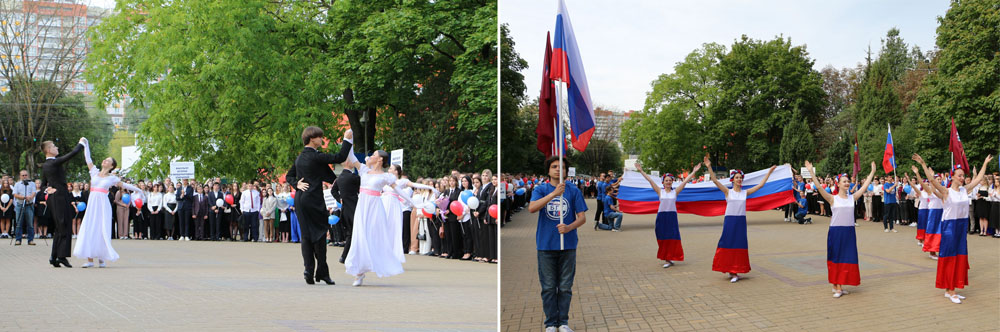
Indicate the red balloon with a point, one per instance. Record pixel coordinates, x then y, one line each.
229 199
494 210
138 203
293 193
427 214
456 208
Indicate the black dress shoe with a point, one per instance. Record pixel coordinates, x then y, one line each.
341 260
327 280
64 262
54 263
309 278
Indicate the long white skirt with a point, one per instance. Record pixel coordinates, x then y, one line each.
94 237
394 211
372 240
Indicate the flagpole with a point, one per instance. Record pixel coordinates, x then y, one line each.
561 147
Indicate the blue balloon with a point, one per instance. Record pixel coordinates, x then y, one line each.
291 201
828 190
907 189
519 191
333 219
464 196
81 207
127 199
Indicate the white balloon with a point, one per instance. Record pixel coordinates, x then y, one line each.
473 203
219 202
5 198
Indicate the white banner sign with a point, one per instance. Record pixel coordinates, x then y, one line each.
654 174
572 171
805 173
630 164
397 157
182 169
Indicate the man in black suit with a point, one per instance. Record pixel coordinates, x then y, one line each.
347 188
54 179
213 215
311 169
185 196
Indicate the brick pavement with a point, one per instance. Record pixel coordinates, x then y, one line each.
194 286
621 286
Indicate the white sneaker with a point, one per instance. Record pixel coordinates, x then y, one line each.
786 220
735 279
412 253
954 299
886 231
102 263
87 264
934 257
956 294
358 280
920 244
550 329
895 231
614 230
565 328
913 225
74 236
668 264
837 295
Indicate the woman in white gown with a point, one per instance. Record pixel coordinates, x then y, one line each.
397 204
94 238
374 237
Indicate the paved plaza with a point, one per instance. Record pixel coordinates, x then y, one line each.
621 286
199 286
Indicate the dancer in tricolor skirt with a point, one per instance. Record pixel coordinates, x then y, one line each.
732 255
932 204
953 259
921 203
668 235
841 240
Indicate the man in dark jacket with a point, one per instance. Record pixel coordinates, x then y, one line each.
311 169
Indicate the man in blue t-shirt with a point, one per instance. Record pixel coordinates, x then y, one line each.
561 210
889 197
601 185
611 211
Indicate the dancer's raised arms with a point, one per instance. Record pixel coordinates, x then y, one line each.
711 175
827 196
980 176
762 181
864 187
940 190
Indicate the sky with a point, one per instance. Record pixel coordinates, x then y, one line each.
626 44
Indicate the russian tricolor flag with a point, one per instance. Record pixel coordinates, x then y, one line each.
889 157
635 196
567 66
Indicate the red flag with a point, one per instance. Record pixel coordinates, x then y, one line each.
889 156
546 106
857 159
955 146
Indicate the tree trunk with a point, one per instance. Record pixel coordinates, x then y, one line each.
366 140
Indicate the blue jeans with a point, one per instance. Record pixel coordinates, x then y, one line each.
614 218
556 270
25 214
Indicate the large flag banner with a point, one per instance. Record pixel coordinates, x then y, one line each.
635 196
567 66
955 146
547 107
889 157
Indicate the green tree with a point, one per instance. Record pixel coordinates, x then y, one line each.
255 73
761 83
518 146
878 104
965 85
670 129
599 156
797 141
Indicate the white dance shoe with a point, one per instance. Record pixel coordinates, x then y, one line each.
102 263
88 264
358 280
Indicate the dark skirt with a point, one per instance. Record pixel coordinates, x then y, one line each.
284 226
9 214
982 209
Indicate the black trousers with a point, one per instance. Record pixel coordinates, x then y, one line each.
890 215
252 221
62 239
184 221
155 225
406 231
347 228
433 224
468 237
876 208
452 242
600 211
493 240
314 257
199 227
213 220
